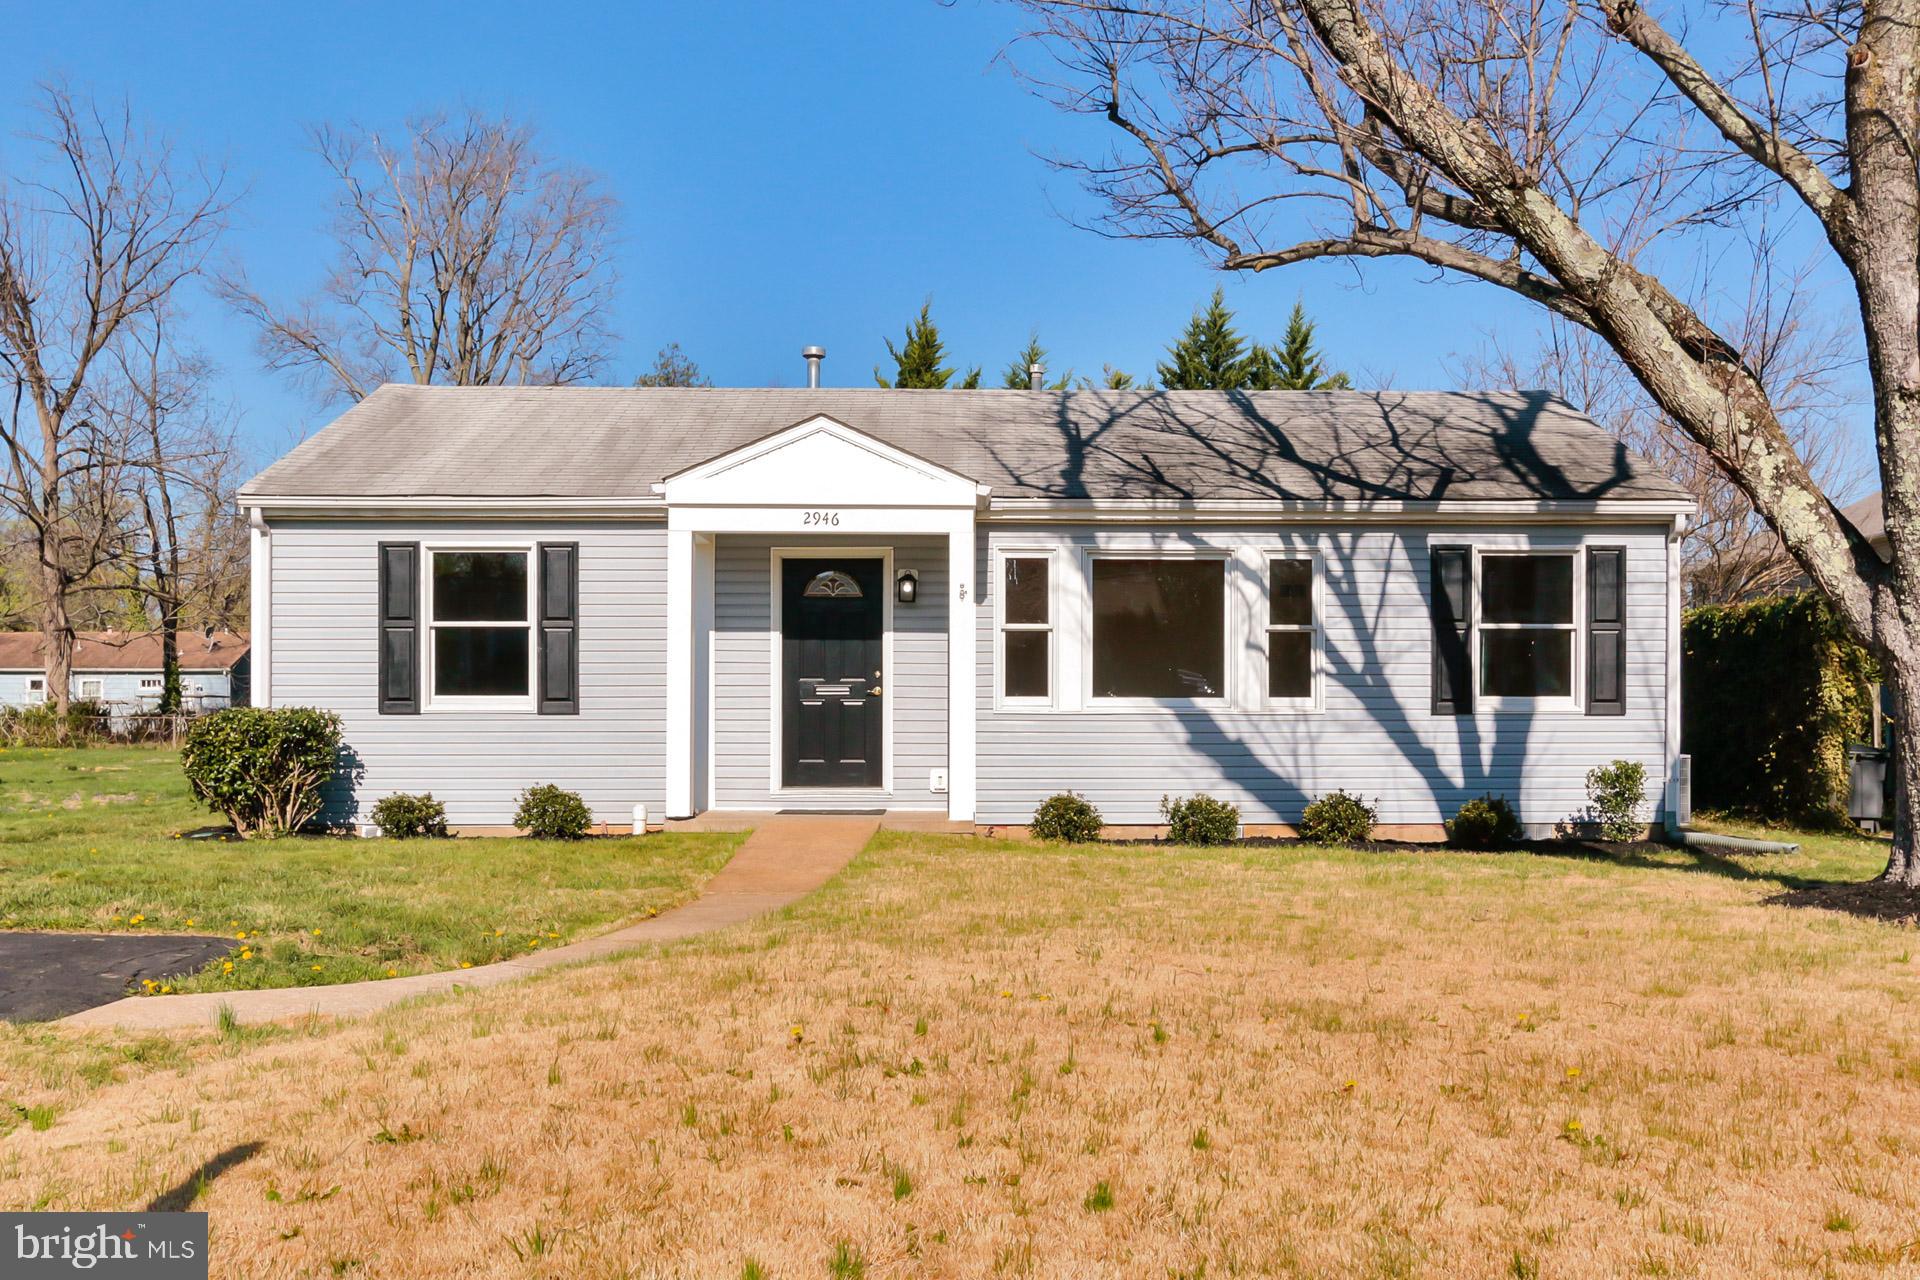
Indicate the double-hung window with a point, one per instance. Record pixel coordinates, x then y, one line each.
1159 628
479 626
1026 629
1292 625
1527 625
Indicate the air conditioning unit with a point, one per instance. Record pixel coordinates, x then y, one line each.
1683 791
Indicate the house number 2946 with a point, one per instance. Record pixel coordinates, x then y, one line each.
827 518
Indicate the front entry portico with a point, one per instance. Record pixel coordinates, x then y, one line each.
814 489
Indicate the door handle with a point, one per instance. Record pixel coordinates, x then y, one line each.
875 691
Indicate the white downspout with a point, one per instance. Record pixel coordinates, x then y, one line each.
260 607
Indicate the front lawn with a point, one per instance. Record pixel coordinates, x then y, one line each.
972 1058
87 841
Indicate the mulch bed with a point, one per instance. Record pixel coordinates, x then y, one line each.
1874 900
1561 848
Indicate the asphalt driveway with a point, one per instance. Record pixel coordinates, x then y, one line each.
50 975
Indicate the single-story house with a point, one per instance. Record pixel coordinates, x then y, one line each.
960 602
123 670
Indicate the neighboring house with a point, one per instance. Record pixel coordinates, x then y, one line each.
960 602
1869 517
123 670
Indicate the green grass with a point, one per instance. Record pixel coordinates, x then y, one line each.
89 840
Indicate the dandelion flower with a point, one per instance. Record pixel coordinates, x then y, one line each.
246 953
796 1031
227 967
315 968
189 922
1006 995
464 964
167 990
240 936
316 933
498 932
1572 1072
136 919
393 973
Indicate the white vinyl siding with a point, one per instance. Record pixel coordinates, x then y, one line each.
1373 734
324 647
742 722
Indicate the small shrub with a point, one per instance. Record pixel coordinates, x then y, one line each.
1617 791
263 768
1338 818
552 813
406 817
1486 823
1200 820
1066 817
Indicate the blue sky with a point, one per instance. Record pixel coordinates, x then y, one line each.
787 174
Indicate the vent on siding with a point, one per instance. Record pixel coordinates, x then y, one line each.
1683 790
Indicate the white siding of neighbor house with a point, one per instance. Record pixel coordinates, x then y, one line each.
1375 734
200 690
324 646
743 776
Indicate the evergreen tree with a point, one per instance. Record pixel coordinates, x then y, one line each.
1295 364
917 360
673 368
1210 355
1015 378
1112 379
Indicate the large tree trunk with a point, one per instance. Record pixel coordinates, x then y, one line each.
57 626
1903 767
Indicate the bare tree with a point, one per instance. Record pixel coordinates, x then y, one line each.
464 257
188 553
88 248
1806 362
1583 157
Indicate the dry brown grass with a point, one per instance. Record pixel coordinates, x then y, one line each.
1274 1063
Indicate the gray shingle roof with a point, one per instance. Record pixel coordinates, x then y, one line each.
1352 446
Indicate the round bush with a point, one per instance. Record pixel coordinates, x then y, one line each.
1486 823
1066 817
1617 791
1337 818
552 813
405 817
1200 820
264 768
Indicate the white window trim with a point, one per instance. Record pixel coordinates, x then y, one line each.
99 687
428 664
1227 699
1572 705
1001 626
1315 701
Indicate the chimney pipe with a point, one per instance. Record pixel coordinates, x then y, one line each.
813 356
1036 376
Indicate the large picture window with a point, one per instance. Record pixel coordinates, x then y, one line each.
1159 628
1026 628
479 625
1290 631
1527 627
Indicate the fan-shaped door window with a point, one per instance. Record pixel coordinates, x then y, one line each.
832 585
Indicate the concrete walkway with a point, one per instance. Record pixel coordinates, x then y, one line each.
786 858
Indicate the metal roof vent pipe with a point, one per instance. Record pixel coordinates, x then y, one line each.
1036 376
813 357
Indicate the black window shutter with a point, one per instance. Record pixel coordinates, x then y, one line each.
559 628
399 628
1606 631
1450 587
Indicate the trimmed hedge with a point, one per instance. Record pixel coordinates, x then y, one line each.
548 812
1771 694
1200 820
1068 817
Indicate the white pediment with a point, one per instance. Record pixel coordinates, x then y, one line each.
819 463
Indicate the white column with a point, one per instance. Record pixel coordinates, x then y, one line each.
702 694
681 676
260 608
962 641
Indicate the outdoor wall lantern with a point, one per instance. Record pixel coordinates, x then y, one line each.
906 587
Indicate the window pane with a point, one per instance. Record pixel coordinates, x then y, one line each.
1026 664
1526 588
1290 593
480 586
1289 664
480 661
1026 591
1526 664
1158 630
